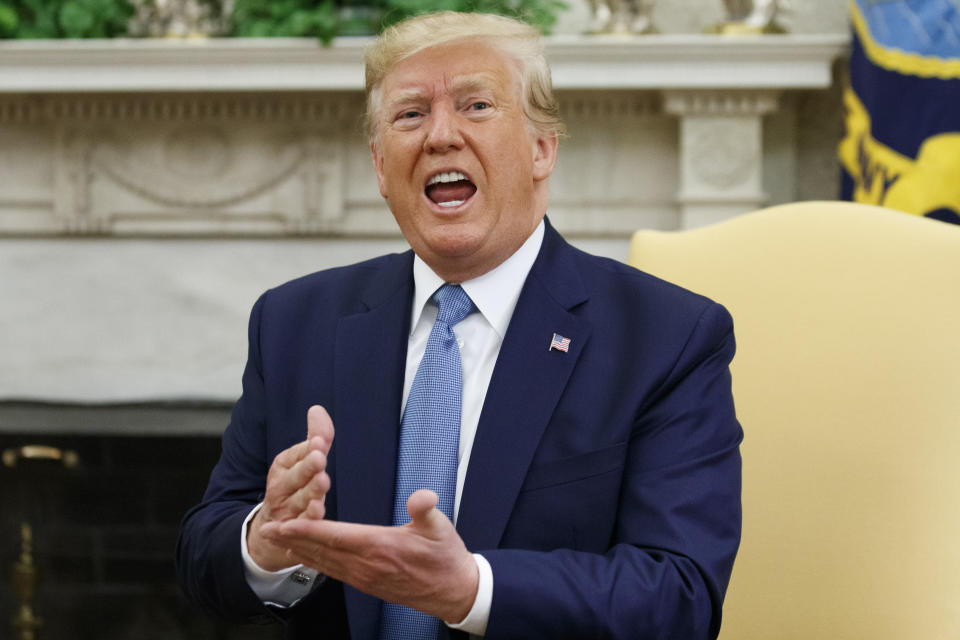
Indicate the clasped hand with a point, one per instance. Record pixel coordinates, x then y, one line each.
423 565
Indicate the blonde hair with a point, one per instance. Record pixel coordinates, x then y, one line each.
516 39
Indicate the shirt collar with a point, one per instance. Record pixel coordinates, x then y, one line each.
495 293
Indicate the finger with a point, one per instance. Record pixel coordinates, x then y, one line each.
287 458
289 480
270 530
331 535
319 425
421 505
306 487
316 509
289 491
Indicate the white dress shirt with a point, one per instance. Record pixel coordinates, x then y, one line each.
480 334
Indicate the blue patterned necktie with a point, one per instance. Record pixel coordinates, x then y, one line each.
429 442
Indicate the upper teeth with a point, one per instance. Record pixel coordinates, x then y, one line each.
450 176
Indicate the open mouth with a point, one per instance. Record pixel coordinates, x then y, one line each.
450 189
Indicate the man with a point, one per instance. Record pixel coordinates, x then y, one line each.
594 475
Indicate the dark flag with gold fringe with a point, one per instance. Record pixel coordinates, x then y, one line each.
901 147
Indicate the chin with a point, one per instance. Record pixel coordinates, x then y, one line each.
454 245
449 249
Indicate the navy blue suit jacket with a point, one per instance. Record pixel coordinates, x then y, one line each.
603 485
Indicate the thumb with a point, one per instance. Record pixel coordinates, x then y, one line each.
421 505
319 425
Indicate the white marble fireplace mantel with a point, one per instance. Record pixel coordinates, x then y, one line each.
293 64
123 120
150 189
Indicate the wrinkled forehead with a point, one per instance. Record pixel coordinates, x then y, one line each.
473 63
425 88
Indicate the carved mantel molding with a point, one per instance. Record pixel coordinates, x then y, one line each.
260 136
721 151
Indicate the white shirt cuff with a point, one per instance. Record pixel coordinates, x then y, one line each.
476 621
281 588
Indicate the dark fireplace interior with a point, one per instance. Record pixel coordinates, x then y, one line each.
104 531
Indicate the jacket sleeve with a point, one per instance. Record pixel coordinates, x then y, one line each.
208 558
677 527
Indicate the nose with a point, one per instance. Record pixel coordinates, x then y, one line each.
443 131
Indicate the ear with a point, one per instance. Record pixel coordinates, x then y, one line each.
544 156
377 157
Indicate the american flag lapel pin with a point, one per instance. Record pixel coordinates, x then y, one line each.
559 343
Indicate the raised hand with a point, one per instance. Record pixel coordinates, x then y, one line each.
423 564
297 484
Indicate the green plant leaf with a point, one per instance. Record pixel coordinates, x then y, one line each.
258 29
76 20
322 19
299 23
327 20
283 8
9 20
38 20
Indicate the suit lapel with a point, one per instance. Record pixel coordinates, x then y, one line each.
527 383
370 356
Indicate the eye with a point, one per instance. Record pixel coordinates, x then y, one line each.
407 118
479 106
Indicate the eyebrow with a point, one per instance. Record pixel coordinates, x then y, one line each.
474 82
406 95
459 85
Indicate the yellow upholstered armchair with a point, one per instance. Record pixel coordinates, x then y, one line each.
847 383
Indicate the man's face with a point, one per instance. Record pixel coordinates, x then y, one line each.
456 160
